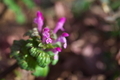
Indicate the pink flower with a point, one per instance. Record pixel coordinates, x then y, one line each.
48 40
63 40
60 25
65 34
56 50
56 57
46 36
39 20
46 33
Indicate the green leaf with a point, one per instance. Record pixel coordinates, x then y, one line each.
29 3
39 71
20 17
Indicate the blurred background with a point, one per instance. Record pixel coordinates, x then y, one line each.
93 51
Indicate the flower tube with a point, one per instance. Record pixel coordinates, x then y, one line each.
63 40
60 25
39 20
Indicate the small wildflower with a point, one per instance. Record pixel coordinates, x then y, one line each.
58 49
48 40
46 35
63 40
60 25
56 56
39 20
38 46
46 29
65 34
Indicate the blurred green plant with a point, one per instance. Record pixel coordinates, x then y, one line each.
20 16
29 55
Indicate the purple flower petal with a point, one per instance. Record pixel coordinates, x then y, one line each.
39 14
46 33
48 40
58 49
35 20
65 45
56 57
63 40
43 39
60 25
65 34
46 30
39 20
46 36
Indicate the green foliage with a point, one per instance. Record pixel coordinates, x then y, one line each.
20 17
39 71
54 62
33 55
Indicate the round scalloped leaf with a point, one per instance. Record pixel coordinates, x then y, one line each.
39 71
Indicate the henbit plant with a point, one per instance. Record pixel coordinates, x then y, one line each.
42 47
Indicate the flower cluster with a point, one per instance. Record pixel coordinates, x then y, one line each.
42 48
48 35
